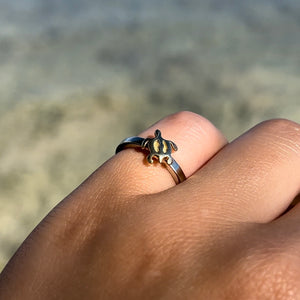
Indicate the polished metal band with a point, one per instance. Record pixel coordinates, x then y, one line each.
171 165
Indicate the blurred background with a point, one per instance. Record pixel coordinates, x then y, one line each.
76 77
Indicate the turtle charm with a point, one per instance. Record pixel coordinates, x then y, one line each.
159 148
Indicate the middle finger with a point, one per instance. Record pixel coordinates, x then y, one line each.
253 179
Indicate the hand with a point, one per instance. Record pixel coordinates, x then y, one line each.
128 232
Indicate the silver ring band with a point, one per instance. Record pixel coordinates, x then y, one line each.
159 148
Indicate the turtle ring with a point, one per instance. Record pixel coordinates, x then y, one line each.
158 148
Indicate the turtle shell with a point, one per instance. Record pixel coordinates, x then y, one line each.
160 148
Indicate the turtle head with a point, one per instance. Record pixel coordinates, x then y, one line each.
157 133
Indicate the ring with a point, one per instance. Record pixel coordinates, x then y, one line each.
158 148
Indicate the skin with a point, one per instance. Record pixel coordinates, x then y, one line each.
128 232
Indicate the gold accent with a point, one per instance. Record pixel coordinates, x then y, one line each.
156 145
165 146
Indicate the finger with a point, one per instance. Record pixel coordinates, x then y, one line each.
255 177
197 141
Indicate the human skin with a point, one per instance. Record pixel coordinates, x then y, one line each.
128 232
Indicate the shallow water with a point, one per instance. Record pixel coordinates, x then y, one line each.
50 49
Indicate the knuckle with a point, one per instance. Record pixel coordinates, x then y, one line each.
280 123
196 124
183 114
186 117
285 132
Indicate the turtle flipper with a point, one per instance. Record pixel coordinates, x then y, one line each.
150 158
169 160
174 146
